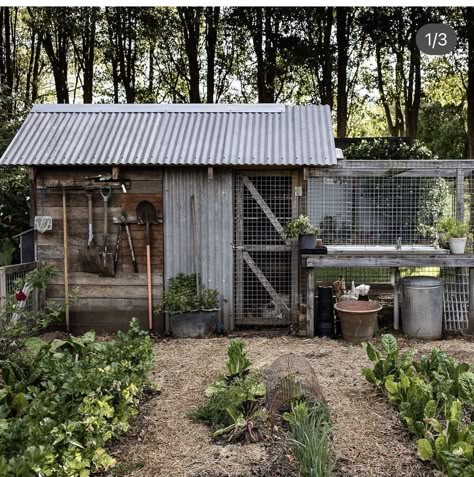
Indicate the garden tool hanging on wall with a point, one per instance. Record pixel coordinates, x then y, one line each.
90 260
123 219
106 256
146 214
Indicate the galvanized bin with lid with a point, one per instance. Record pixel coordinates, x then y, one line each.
422 307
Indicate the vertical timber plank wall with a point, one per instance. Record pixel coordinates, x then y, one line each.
214 223
104 304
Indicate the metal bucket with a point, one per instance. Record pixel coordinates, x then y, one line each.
194 324
422 307
358 319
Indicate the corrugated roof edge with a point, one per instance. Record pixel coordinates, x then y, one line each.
158 108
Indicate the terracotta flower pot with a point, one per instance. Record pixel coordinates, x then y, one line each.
358 319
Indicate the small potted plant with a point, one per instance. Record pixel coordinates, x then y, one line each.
456 233
191 307
301 228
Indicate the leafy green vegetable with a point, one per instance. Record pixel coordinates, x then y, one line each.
62 402
435 400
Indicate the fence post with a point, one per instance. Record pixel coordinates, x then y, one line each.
3 288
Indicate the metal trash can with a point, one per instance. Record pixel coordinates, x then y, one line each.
422 307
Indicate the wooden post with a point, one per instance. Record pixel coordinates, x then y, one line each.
470 328
239 257
295 255
460 194
66 264
310 301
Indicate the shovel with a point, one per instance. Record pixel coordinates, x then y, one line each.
107 257
89 257
146 214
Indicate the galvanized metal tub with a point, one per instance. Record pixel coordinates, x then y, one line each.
358 319
194 324
422 307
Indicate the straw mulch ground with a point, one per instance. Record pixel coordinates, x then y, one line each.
369 438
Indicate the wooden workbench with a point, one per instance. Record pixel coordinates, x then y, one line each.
310 262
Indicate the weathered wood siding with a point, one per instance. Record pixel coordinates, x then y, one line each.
105 304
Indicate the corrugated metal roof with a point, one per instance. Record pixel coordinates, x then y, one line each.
212 135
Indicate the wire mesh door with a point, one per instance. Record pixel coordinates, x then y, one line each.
266 267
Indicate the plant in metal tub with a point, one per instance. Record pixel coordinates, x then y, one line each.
192 308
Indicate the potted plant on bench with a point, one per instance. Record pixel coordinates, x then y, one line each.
191 307
301 228
455 232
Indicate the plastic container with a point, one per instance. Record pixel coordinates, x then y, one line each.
358 319
422 307
324 325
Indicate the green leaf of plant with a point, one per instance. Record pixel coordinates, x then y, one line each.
466 387
455 410
435 424
370 376
372 353
425 451
389 345
391 387
430 410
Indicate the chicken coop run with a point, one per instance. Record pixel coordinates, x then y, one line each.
394 204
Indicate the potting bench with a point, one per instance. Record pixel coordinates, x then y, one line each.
312 262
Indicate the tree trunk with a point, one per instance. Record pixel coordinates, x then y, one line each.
327 96
342 62
36 69
212 21
393 130
469 17
58 60
88 52
191 22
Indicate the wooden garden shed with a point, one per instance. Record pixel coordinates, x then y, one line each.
243 166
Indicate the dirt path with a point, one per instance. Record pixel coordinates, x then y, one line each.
369 438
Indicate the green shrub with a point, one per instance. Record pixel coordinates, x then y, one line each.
183 295
62 402
311 434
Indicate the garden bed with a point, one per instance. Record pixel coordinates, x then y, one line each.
369 438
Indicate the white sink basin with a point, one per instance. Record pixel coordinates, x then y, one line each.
384 250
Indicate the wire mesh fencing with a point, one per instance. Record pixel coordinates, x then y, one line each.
263 273
390 202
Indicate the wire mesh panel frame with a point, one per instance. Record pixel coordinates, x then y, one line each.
395 214
265 266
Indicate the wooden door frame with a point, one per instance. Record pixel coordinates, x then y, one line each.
242 256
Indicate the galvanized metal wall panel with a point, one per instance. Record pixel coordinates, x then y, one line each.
214 224
174 135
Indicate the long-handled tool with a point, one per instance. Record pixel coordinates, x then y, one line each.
146 214
196 259
117 247
123 219
107 257
89 257
66 263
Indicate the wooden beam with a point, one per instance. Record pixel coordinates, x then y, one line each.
263 205
266 284
310 302
355 261
470 328
460 195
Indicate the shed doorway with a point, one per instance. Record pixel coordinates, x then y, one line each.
265 266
